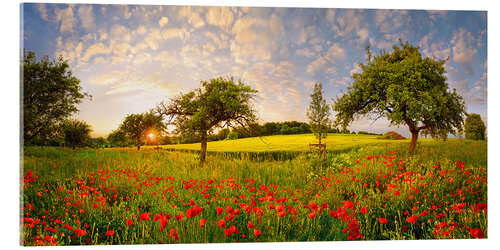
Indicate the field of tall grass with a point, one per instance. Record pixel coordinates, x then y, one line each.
368 192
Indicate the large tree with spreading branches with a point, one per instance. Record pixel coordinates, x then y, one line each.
407 89
219 102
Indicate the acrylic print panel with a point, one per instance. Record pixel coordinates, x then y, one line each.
147 124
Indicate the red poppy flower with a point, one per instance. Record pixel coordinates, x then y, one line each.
364 210
250 224
110 232
144 216
476 233
256 232
129 222
221 223
382 220
203 222
312 215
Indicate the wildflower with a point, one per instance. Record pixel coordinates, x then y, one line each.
173 234
203 222
256 232
221 223
110 232
80 232
250 224
476 233
312 215
382 220
129 222
219 210
144 216
364 210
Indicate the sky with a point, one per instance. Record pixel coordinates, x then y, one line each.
131 57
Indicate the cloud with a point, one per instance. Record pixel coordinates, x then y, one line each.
335 52
86 16
390 20
305 52
251 40
171 33
363 34
163 21
348 23
95 49
42 9
192 15
221 17
66 19
120 33
463 48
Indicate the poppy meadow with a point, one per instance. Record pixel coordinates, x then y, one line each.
155 196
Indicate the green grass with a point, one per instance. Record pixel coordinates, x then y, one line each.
290 143
349 174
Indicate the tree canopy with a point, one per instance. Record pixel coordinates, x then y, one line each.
219 102
474 127
407 89
50 95
137 126
76 133
318 113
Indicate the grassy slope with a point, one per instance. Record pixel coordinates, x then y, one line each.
288 143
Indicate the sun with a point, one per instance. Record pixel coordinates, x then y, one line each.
151 135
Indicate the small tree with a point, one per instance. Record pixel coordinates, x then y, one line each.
233 135
76 133
474 127
219 102
50 95
138 126
318 113
117 138
405 88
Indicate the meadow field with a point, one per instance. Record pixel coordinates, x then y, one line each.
373 191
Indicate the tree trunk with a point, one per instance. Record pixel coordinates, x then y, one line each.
203 151
414 138
138 147
320 138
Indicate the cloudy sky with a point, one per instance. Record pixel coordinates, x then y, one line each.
129 58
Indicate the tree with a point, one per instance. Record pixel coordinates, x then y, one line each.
50 95
219 102
474 127
100 142
318 113
405 88
117 138
76 133
138 126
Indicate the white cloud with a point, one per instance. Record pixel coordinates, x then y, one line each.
221 17
171 33
192 15
335 52
42 9
305 52
95 49
66 19
86 16
390 20
463 48
348 23
363 34
163 21
120 33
